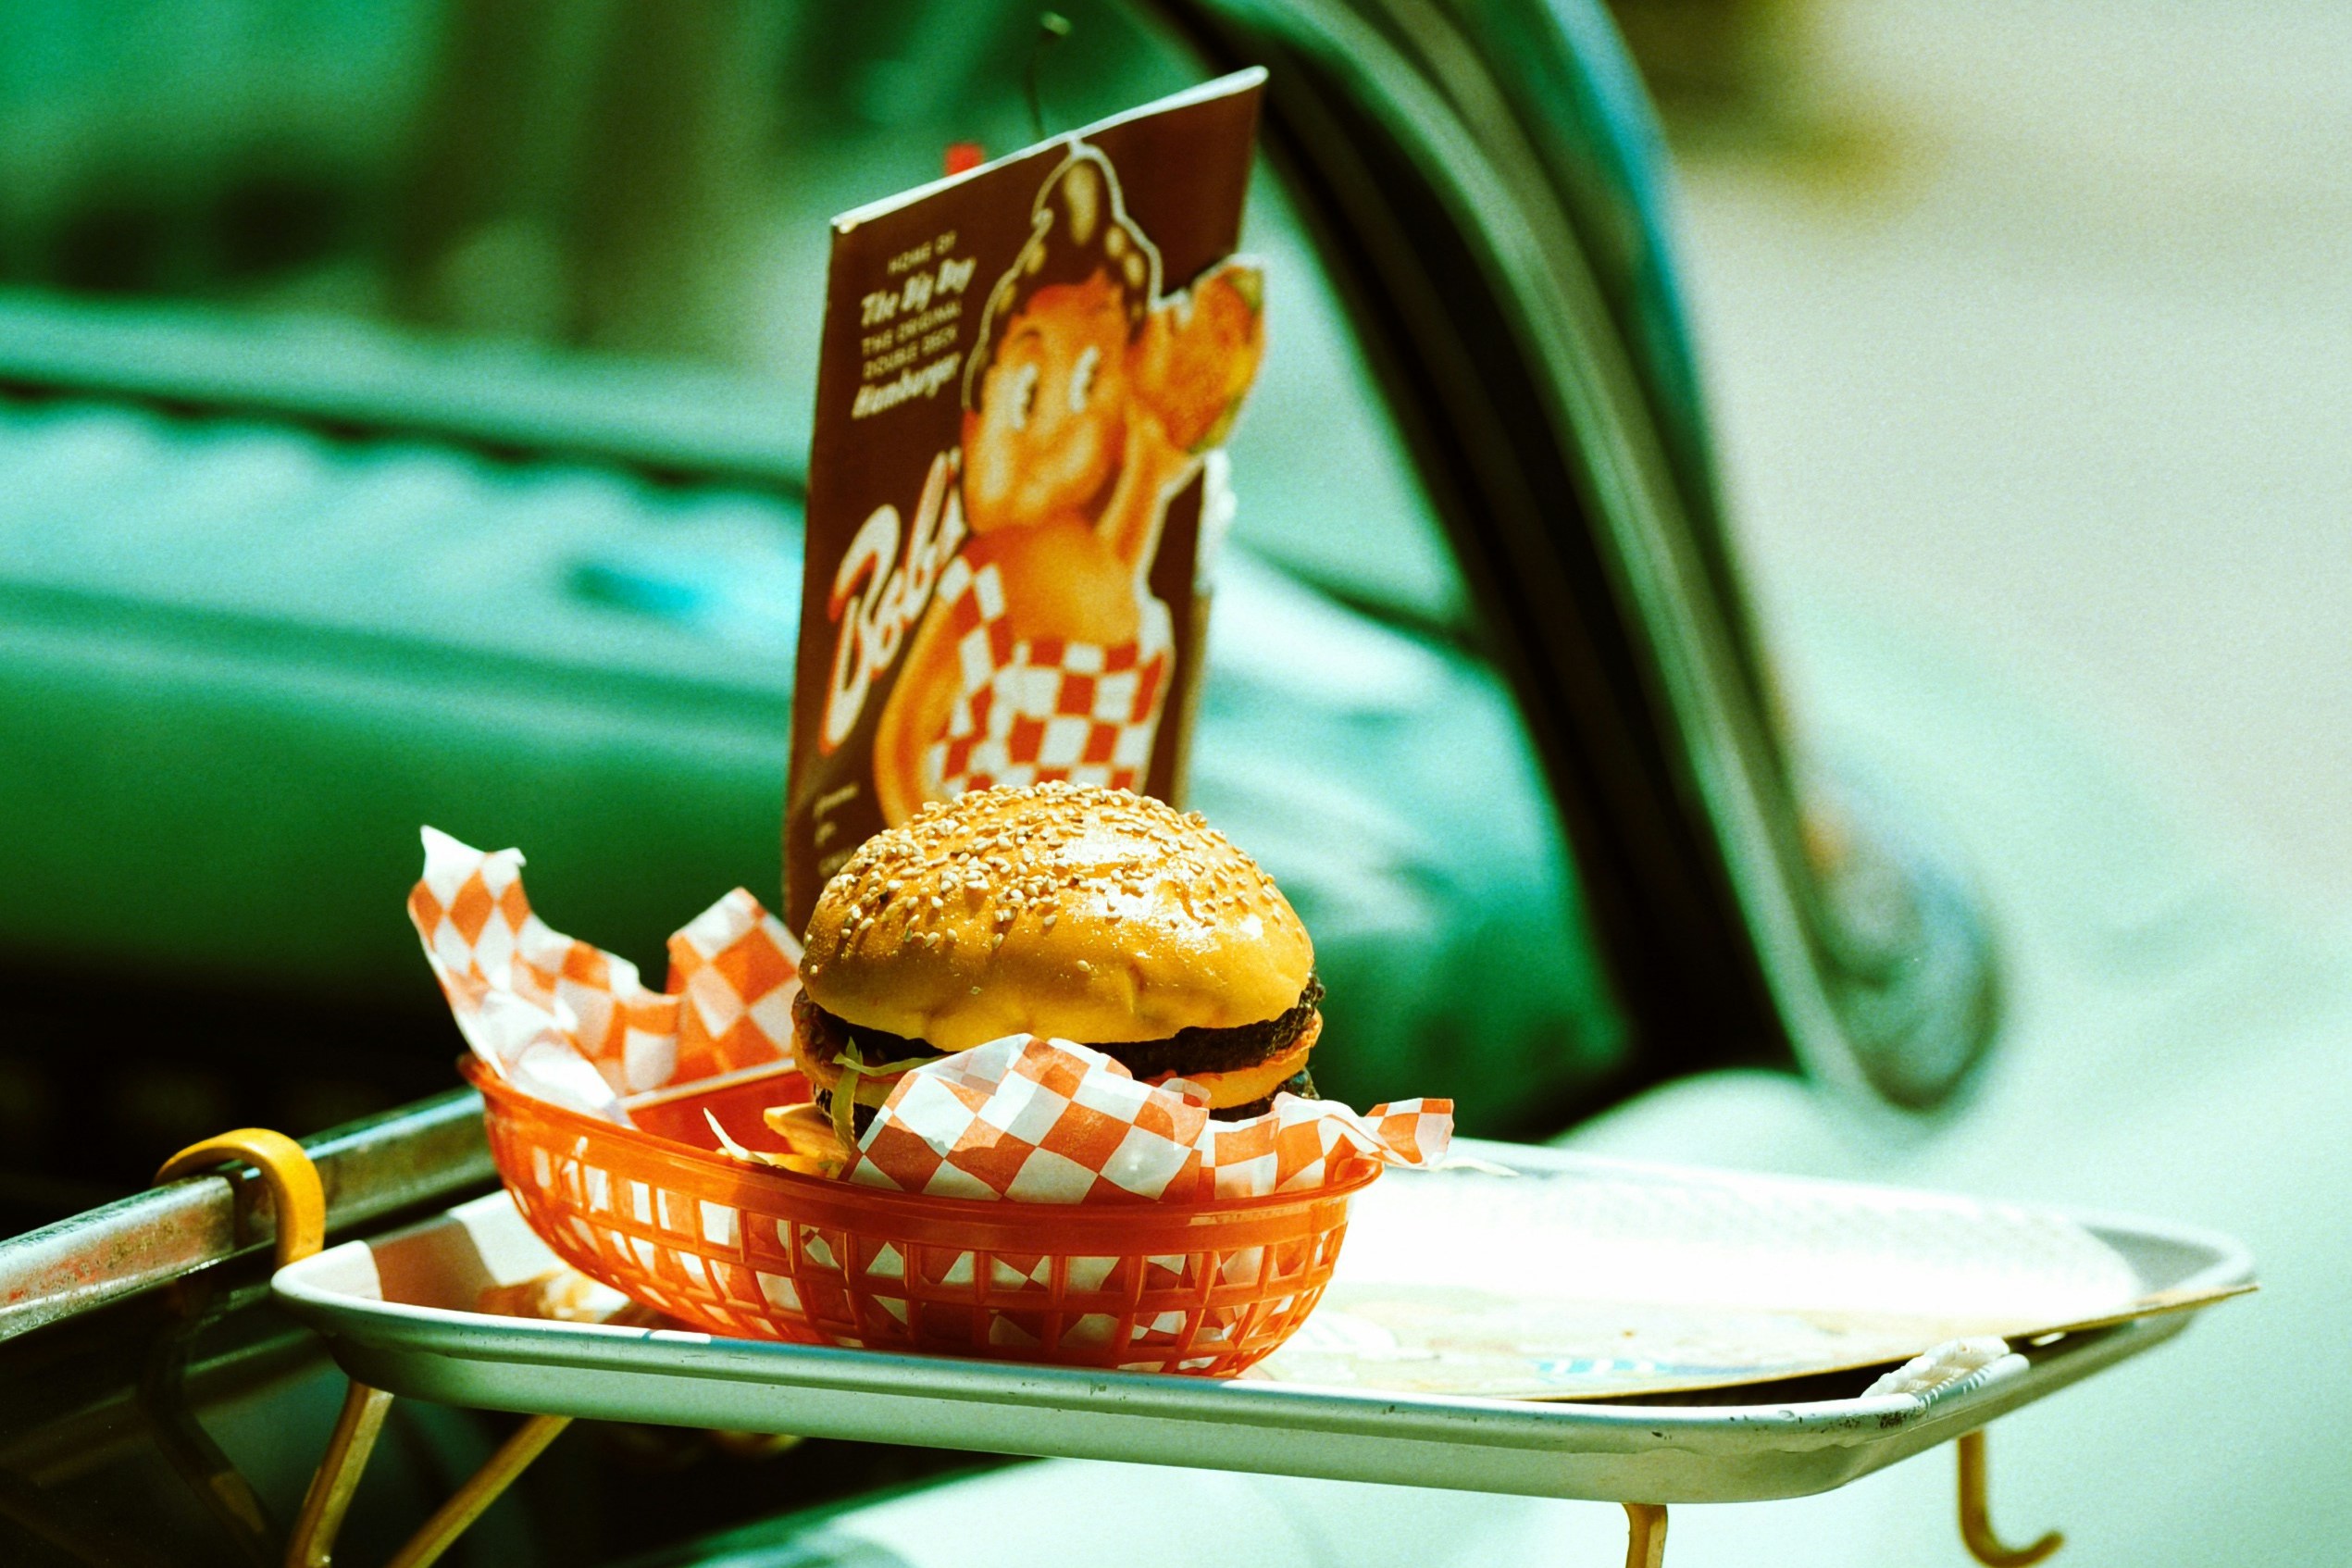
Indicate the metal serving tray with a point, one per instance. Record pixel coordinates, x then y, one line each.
393 1312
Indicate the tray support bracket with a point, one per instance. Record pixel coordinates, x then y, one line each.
1645 1535
1976 1518
300 1204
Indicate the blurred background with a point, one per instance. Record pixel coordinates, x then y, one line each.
2026 316
2024 325
403 405
403 417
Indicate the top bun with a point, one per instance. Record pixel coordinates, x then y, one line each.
1086 914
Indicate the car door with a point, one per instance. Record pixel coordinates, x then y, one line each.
479 505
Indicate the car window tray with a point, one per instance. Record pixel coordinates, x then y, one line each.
396 1313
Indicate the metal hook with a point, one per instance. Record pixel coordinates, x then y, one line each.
1645 1535
1052 27
302 1230
1975 1518
297 1200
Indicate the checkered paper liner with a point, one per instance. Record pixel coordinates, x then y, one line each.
1043 1121
1030 712
572 1024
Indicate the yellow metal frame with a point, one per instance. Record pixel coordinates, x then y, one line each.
1976 1518
302 1230
301 1205
1645 1535
293 1180
1645 1523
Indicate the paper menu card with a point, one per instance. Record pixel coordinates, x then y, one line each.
1026 374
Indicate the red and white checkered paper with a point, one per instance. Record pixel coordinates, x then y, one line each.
1042 1121
1031 712
570 1023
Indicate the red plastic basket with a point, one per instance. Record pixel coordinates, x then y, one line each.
659 1215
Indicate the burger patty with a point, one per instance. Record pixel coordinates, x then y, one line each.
1299 1083
1217 1051
1187 1051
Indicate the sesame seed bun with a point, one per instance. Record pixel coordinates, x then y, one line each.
1087 914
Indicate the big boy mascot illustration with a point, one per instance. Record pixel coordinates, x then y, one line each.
1088 404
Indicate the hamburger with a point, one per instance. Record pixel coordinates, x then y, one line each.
1092 915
